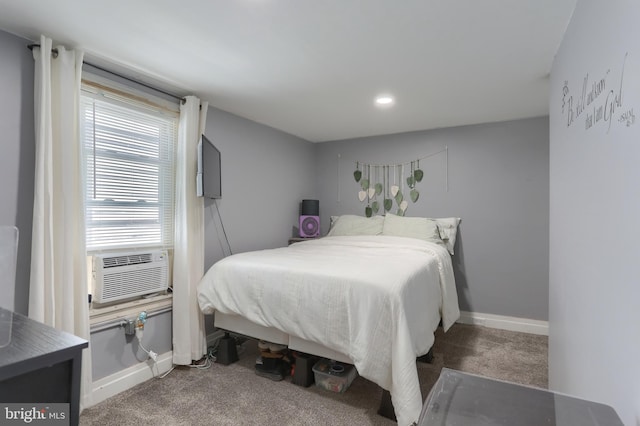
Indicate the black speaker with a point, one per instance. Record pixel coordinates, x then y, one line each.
310 208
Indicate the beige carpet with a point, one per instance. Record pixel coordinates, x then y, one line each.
235 395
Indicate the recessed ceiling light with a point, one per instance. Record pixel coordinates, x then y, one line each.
384 100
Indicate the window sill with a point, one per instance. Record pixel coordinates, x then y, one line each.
99 315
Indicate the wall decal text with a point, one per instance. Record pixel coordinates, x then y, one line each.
599 103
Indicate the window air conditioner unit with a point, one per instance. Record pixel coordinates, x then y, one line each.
125 275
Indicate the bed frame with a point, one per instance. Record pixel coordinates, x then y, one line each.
240 325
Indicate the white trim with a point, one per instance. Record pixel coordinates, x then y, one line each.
129 377
132 308
523 325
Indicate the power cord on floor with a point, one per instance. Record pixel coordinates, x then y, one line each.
167 373
210 357
212 352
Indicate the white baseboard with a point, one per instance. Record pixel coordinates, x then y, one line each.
129 377
523 325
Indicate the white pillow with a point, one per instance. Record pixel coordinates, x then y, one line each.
414 227
332 221
348 225
448 228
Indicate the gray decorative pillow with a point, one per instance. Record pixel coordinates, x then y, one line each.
413 227
448 227
349 225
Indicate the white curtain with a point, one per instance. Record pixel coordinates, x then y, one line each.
189 337
58 287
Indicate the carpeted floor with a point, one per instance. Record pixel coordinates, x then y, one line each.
235 395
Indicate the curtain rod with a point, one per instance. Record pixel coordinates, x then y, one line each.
55 54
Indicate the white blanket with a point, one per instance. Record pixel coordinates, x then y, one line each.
376 299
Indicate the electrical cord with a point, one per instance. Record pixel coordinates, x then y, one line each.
167 373
210 357
224 232
209 360
152 355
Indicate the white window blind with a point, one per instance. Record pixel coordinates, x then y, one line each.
129 153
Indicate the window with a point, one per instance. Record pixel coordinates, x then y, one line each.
129 148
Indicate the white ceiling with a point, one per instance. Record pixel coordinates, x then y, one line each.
313 67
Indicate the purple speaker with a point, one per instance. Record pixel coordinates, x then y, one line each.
309 226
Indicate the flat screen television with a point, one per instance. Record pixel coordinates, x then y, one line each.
209 176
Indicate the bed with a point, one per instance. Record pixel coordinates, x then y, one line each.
364 296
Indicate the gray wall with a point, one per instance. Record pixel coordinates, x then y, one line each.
112 350
498 184
594 340
17 161
265 175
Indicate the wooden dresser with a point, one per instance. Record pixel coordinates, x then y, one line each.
39 364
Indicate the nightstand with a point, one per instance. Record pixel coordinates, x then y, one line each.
298 239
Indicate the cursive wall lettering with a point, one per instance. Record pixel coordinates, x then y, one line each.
599 102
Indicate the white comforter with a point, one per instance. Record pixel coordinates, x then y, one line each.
376 299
